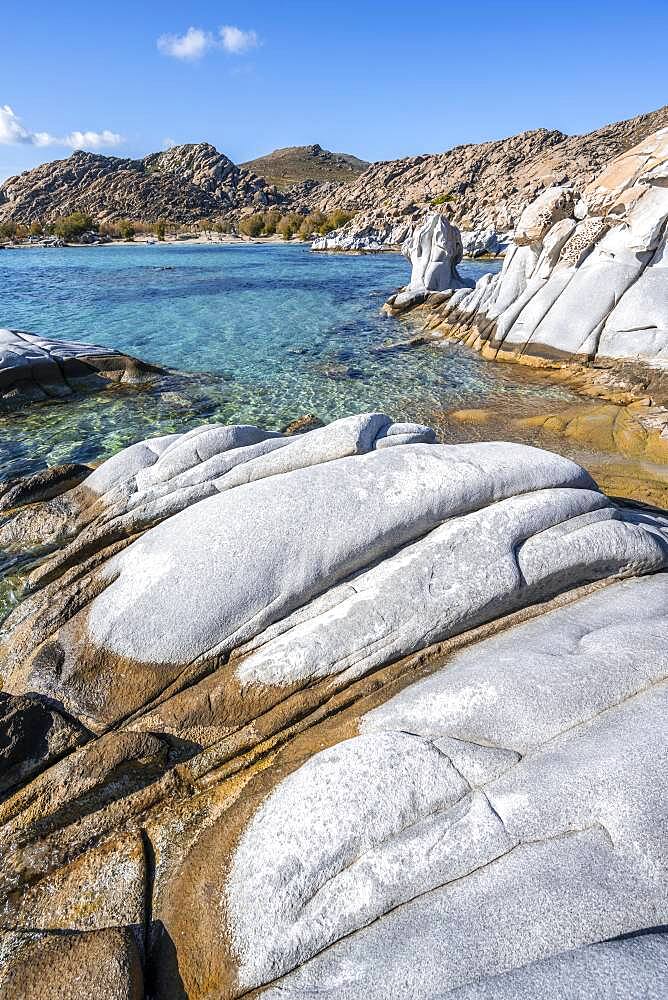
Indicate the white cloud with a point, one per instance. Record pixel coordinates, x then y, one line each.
11 129
196 42
91 140
192 45
235 40
13 132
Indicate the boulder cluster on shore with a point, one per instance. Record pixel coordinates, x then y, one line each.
583 279
584 284
347 713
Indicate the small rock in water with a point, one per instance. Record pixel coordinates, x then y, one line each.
308 422
42 485
174 399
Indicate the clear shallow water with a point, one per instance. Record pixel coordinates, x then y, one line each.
258 334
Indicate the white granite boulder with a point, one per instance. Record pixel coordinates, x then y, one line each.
36 368
584 280
434 250
350 713
484 242
426 854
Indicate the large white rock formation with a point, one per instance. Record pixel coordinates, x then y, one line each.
356 714
38 368
434 250
585 278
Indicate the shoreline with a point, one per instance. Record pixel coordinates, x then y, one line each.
225 239
228 239
619 411
621 414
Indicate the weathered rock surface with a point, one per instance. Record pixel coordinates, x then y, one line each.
36 368
583 282
484 186
183 184
361 714
434 250
32 736
42 485
100 965
484 242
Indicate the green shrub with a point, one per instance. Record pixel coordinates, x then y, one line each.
271 221
443 199
289 225
305 231
338 218
8 230
70 227
160 229
252 225
127 230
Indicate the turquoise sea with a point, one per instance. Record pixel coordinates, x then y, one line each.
252 333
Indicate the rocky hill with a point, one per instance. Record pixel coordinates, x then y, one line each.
295 164
486 184
182 184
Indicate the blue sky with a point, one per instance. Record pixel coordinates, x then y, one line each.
378 79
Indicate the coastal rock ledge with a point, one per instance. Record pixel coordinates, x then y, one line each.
341 714
584 280
34 368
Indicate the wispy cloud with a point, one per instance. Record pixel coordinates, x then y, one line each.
196 42
13 132
192 45
235 40
89 140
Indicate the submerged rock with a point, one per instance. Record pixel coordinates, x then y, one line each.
35 368
309 422
364 715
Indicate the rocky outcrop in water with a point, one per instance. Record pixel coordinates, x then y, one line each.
585 279
484 186
36 368
366 239
336 714
434 250
182 184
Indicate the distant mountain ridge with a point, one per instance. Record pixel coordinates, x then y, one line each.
295 164
484 185
183 184
481 185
